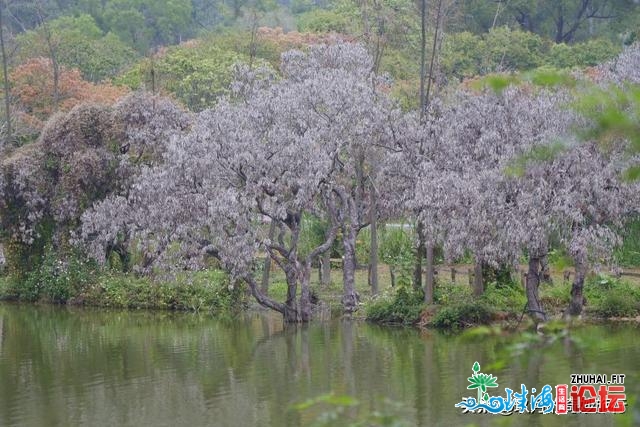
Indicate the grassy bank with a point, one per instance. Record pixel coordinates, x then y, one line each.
90 285
455 307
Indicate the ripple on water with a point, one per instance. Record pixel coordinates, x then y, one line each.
100 368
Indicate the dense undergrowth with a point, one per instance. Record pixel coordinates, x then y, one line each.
455 307
77 281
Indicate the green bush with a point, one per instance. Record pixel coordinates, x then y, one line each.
507 49
79 281
449 293
462 55
396 250
610 297
208 290
509 298
363 246
628 255
54 280
616 304
404 308
462 315
589 53
322 21
558 295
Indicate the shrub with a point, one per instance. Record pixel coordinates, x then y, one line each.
557 295
80 281
396 250
405 308
208 290
509 298
610 297
322 21
55 279
616 304
449 293
628 255
462 315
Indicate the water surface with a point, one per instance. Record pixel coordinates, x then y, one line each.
67 367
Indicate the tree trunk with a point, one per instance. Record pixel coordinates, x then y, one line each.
428 286
305 295
423 59
266 267
420 250
432 61
546 271
392 273
577 295
325 268
533 281
291 313
349 296
478 283
7 90
373 258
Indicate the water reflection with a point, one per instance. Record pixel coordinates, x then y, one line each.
82 367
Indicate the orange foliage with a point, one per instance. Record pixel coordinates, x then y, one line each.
594 74
32 90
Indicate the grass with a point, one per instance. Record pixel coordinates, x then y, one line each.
456 307
606 297
207 290
210 290
612 298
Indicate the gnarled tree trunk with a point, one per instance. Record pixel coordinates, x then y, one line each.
291 312
266 267
577 295
325 268
349 295
546 270
534 307
305 295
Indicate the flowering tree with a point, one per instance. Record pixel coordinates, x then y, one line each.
276 151
81 156
359 115
461 154
511 176
587 196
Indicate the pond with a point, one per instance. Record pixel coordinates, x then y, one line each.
67 367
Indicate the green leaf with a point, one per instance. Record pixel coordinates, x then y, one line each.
632 174
341 400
